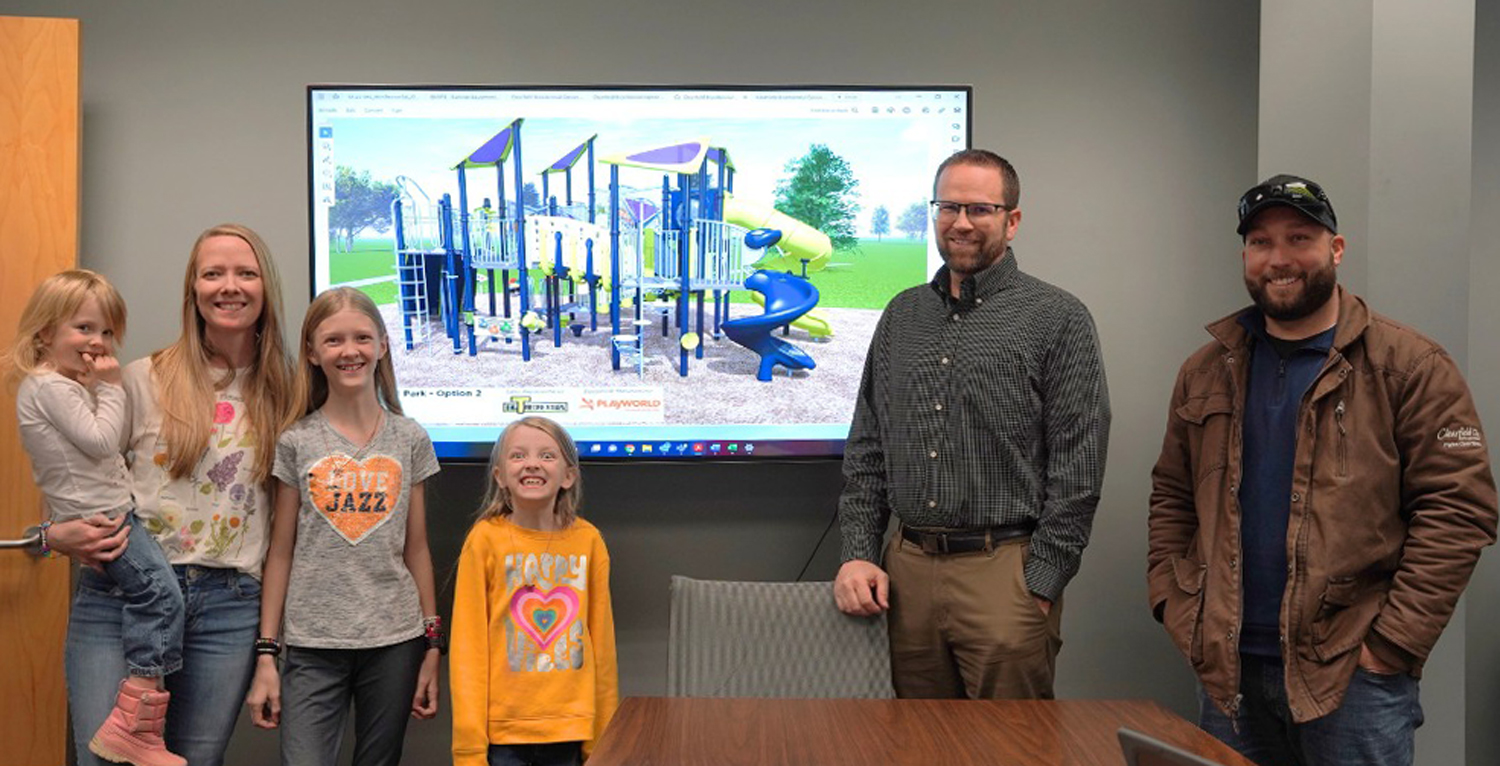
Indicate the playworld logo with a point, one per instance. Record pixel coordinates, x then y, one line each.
644 405
522 405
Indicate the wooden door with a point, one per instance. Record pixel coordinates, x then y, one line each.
39 143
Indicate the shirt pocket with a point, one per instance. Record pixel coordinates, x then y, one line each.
1210 419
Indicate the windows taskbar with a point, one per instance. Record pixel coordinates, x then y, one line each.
672 449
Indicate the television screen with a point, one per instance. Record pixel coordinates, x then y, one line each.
671 272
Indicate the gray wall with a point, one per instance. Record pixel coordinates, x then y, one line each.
1482 693
1133 127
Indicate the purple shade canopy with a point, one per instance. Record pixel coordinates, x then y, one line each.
494 151
571 158
675 154
641 208
685 156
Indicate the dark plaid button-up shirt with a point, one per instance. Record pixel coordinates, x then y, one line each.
985 410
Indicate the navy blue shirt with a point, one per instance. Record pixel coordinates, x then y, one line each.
1280 373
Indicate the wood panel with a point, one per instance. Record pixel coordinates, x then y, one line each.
685 731
39 199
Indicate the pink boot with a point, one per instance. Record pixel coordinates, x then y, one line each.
132 732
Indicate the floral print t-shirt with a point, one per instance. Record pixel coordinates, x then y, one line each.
216 516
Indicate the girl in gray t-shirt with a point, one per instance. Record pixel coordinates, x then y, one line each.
348 578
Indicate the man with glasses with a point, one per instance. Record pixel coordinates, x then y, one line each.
1321 499
981 423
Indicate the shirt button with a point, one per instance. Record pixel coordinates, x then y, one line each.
938 406
945 360
931 503
1296 497
978 301
955 317
932 454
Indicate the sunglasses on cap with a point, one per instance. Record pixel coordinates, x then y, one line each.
1304 195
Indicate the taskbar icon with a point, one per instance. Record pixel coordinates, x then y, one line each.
665 449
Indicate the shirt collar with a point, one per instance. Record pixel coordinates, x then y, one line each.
986 283
1254 322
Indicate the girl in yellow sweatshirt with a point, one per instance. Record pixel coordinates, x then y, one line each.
533 645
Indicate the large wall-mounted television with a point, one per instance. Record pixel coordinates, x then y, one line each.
673 273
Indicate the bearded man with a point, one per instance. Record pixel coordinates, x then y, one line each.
981 423
1321 499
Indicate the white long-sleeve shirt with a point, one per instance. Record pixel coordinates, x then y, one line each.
75 438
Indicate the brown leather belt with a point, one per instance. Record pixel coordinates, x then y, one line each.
964 540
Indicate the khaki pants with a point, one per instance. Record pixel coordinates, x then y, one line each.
965 625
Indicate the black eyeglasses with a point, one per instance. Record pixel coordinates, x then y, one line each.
977 211
1301 194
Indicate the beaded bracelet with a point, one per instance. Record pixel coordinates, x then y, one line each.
269 646
432 629
45 550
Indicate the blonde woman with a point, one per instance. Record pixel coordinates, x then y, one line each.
205 412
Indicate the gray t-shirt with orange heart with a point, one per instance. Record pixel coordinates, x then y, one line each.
349 585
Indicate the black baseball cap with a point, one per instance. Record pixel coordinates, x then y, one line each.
1293 191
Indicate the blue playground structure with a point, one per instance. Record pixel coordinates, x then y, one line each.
663 252
690 250
787 298
466 243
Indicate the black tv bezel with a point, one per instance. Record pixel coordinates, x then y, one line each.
801 450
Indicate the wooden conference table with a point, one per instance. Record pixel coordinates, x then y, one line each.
831 732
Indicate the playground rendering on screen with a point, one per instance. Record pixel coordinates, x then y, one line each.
669 272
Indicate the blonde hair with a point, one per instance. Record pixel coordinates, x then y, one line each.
312 384
497 497
186 389
55 301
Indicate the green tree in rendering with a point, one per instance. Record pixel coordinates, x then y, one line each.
880 222
913 221
361 204
819 190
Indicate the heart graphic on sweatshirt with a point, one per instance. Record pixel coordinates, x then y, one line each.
544 616
354 496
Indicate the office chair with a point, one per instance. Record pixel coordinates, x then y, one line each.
772 639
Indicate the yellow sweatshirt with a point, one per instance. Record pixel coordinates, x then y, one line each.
533 643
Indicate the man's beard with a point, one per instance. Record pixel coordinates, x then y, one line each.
986 254
1317 288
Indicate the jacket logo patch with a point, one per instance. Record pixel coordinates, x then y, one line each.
1461 437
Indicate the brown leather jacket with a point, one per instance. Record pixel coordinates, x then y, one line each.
1392 500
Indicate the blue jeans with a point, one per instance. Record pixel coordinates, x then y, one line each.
222 617
151 617
546 754
317 686
1375 726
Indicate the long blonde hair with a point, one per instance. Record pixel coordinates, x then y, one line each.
187 389
312 384
55 301
497 497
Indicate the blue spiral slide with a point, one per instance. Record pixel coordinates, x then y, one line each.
787 297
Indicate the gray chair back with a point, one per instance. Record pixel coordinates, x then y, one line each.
772 639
